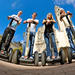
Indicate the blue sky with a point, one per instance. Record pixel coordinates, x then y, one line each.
42 7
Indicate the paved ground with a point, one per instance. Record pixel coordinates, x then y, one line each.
57 69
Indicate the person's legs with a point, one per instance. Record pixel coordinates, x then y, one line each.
48 53
51 44
10 36
69 34
73 31
24 44
24 47
23 53
32 38
4 37
54 44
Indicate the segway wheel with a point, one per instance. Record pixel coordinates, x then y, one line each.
43 58
10 55
69 55
16 57
62 56
36 58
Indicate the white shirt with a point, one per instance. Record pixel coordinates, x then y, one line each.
14 23
32 26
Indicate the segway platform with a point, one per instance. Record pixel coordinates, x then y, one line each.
53 60
63 45
26 60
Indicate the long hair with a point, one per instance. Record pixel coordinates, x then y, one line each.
50 15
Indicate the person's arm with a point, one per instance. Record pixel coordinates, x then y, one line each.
44 21
27 21
69 13
53 21
19 22
35 21
12 17
61 16
9 17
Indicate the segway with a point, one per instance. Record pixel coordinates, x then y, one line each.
62 43
65 41
39 44
61 54
64 52
5 52
70 31
17 55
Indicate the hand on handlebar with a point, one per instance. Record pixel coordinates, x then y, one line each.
9 17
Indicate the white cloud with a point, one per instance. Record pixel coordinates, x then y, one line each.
13 5
59 2
62 2
16 3
70 1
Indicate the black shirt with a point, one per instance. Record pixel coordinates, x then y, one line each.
49 27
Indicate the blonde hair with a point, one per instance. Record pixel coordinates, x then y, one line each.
50 15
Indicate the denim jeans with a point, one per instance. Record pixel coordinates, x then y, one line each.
24 46
32 38
69 34
31 44
50 44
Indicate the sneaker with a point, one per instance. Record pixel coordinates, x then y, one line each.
48 58
58 57
31 58
22 57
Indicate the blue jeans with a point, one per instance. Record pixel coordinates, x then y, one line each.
32 38
69 34
24 46
31 43
50 44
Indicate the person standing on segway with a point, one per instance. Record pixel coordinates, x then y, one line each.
68 27
33 23
10 30
49 35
